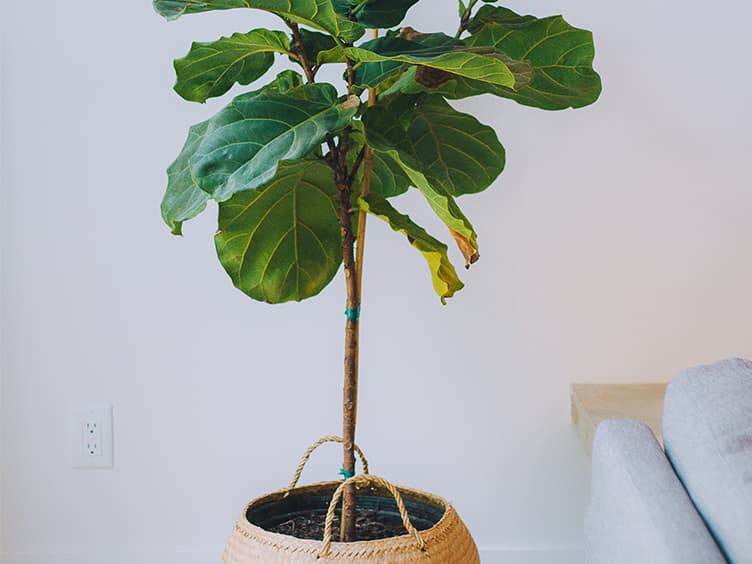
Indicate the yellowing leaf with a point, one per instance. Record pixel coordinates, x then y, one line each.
445 280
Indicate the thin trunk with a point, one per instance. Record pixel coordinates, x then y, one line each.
353 279
350 388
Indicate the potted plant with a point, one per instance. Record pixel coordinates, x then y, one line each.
296 166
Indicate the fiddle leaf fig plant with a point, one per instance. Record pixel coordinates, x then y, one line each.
297 164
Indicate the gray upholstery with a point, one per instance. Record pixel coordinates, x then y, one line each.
639 511
707 432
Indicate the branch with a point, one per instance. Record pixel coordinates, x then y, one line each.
465 19
301 54
365 188
331 157
350 75
343 148
356 166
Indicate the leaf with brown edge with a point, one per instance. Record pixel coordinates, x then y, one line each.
445 280
385 134
471 255
558 57
379 58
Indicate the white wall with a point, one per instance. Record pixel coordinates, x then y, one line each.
614 248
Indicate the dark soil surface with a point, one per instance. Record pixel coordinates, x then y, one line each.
369 525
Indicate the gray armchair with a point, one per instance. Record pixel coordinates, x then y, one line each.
689 504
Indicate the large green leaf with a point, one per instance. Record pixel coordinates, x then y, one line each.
561 57
245 141
282 241
485 64
445 279
558 59
211 69
375 13
183 199
385 134
318 14
459 154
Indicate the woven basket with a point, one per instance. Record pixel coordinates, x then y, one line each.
436 534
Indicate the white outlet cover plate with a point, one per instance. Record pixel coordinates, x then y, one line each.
81 456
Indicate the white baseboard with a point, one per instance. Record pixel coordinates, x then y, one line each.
112 558
531 555
496 555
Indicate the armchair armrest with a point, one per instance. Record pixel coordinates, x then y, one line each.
639 510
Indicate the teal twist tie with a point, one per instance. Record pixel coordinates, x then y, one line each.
353 314
345 474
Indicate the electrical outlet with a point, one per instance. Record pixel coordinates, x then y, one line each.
91 440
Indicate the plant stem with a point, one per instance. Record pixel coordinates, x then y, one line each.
359 7
302 55
364 190
353 280
350 388
350 76
465 19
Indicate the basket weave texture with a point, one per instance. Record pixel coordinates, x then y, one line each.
448 541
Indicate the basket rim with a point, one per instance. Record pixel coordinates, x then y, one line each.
407 492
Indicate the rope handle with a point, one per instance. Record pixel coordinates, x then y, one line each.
309 452
370 480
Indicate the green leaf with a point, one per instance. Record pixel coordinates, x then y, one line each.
318 14
385 134
183 199
479 63
446 209
284 81
456 153
561 57
459 154
498 15
445 279
245 141
315 43
374 74
388 179
173 9
382 13
282 241
211 69
333 55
